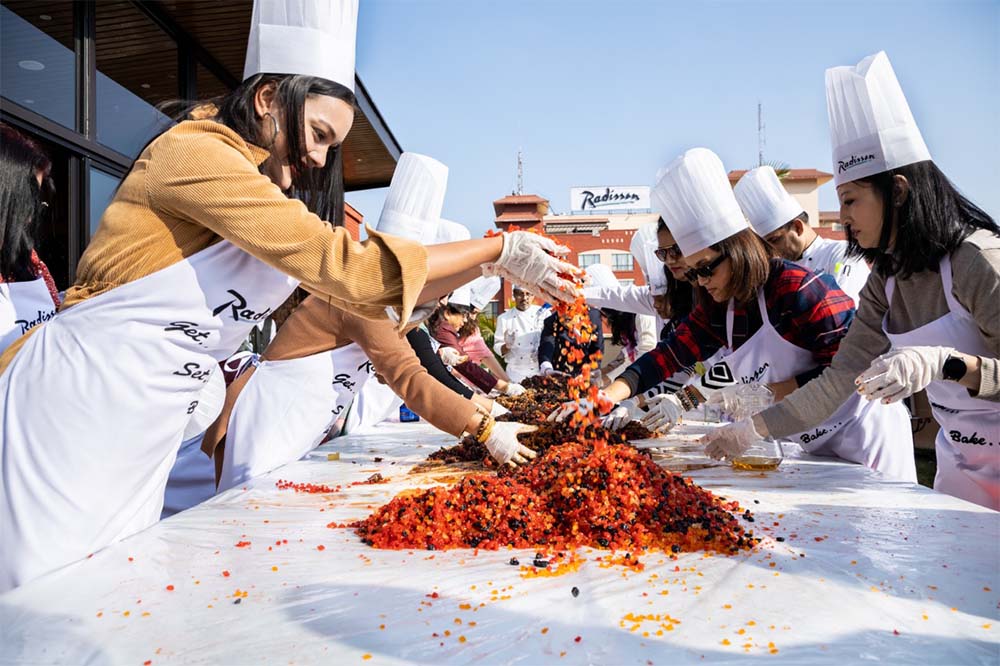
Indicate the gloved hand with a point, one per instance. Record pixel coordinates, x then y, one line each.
498 410
601 407
546 370
509 338
451 357
526 260
623 413
513 389
902 372
663 412
731 440
503 445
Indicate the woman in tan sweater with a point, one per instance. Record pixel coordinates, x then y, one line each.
279 410
212 228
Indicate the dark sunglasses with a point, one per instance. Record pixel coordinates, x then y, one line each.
672 252
706 271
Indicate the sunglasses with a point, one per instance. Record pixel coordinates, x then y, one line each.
706 271
673 252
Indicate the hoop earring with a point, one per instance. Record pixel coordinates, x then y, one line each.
276 131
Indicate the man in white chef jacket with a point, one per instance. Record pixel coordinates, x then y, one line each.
517 335
779 219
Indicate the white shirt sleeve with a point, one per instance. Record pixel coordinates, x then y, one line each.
499 333
625 298
646 333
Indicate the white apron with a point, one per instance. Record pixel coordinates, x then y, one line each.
95 402
286 409
868 433
375 403
23 305
968 443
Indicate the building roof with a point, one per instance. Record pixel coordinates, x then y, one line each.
520 199
517 216
793 174
218 30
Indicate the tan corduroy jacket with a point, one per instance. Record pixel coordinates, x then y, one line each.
317 327
199 183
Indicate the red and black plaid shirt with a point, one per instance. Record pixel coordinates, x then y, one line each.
806 309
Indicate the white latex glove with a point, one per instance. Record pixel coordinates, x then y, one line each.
602 406
513 389
498 410
509 338
546 370
451 357
730 440
625 412
503 445
664 412
526 259
902 372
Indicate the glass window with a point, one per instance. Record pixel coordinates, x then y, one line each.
622 261
136 69
208 85
37 63
589 260
102 191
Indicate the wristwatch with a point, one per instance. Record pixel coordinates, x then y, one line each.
954 368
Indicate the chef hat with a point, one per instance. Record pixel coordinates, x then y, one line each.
696 201
306 37
451 232
871 127
461 296
416 195
766 203
601 276
643 249
483 289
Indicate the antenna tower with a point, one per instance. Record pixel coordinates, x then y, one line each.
761 139
520 172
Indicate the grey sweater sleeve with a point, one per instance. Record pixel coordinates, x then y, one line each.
816 401
976 270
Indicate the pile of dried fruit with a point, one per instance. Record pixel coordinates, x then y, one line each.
539 441
586 488
600 495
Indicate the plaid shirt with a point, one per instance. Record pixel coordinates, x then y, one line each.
806 309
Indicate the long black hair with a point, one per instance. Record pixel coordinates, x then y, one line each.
322 189
622 327
932 222
22 201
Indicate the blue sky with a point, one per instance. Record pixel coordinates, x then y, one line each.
603 93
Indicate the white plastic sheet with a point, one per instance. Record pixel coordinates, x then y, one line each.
869 570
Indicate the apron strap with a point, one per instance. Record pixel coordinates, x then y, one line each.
946 283
730 316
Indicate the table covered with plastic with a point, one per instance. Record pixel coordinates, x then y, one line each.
851 567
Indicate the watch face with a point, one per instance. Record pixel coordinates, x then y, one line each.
954 369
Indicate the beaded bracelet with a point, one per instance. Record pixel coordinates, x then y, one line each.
484 429
688 398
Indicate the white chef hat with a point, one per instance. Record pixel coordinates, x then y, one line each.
461 296
696 201
306 37
643 249
416 195
483 289
871 127
765 201
451 232
601 276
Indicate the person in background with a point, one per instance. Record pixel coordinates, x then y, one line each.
443 326
28 295
929 316
778 218
518 334
477 294
635 334
556 342
215 224
775 322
